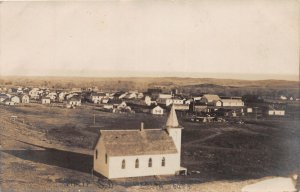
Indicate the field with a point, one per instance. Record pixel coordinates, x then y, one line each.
49 148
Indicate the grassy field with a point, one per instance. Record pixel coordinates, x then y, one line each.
50 148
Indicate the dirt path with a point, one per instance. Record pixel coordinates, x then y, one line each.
201 140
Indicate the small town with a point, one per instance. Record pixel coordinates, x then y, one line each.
156 101
164 127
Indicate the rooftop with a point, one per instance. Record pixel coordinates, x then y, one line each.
137 142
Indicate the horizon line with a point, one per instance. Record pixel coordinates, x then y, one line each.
227 76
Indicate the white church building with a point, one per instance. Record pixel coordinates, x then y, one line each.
140 152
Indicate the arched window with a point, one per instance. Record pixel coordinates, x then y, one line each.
123 164
150 162
137 163
163 162
96 154
105 158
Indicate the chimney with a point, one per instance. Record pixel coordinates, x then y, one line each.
142 126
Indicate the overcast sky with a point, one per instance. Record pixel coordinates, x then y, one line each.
148 38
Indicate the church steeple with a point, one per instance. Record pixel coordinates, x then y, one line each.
172 121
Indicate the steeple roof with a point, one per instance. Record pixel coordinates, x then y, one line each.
172 119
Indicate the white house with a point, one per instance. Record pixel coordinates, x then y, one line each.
164 96
15 99
96 97
157 110
46 100
232 103
276 112
175 101
74 101
139 152
25 98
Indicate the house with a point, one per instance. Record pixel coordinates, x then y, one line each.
25 98
61 96
3 97
176 101
249 110
74 101
210 99
12 90
35 93
131 95
117 106
8 102
139 152
96 97
19 90
164 96
276 112
157 110
70 95
231 103
149 101
46 100
282 97
105 100
52 96
15 99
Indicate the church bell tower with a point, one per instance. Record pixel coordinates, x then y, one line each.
174 129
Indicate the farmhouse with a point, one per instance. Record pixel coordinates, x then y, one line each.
142 152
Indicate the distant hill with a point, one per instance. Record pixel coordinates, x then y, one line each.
186 85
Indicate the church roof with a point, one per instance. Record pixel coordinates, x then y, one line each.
172 119
137 142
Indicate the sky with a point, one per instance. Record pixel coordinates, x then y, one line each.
202 38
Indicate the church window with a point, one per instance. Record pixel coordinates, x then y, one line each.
96 154
123 164
150 163
163 162
137 163
105 158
